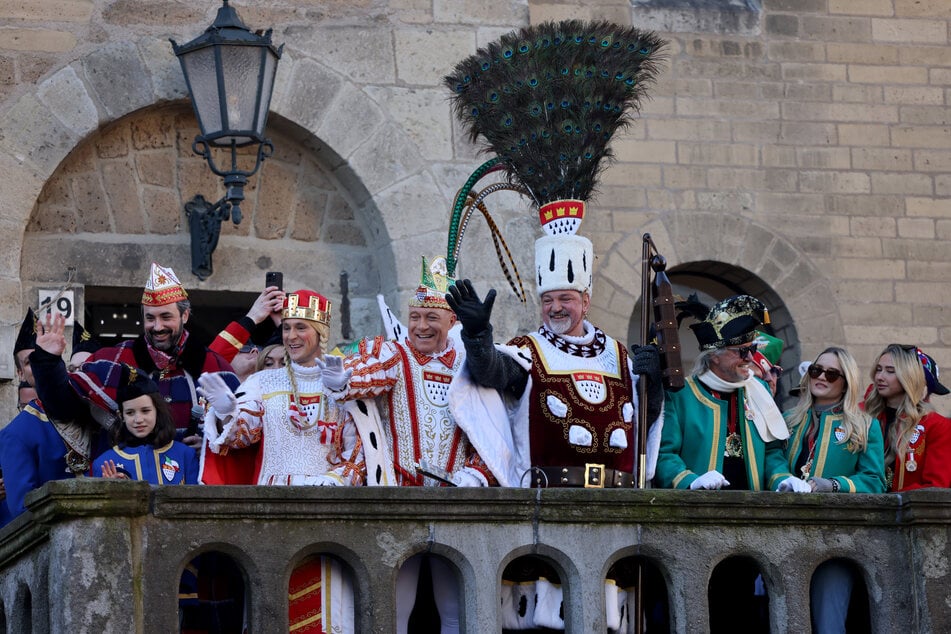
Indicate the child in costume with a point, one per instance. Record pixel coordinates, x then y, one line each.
145 446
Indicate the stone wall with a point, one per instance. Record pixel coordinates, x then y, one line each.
70 553
805 146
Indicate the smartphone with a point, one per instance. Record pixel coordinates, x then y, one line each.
274 278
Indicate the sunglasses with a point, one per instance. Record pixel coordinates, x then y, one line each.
832 375
746 352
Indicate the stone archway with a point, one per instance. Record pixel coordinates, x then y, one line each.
744 250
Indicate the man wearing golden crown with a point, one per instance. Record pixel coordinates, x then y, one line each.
407 383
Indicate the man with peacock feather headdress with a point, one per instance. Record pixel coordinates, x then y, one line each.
546 100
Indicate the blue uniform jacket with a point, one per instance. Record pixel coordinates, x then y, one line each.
175 463
31 454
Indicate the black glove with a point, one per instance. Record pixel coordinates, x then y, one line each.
646 363
471 312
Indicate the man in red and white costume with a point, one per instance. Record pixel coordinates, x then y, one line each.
404 386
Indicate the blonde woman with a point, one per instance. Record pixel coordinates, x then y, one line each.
833 445
917 438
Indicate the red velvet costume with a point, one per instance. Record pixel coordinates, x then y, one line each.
931 447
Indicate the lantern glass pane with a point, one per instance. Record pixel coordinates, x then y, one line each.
267 86
199 69
240 65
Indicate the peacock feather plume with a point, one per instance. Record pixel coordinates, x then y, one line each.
547 99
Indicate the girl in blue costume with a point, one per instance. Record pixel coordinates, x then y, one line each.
145 446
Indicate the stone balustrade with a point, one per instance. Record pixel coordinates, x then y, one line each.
106 557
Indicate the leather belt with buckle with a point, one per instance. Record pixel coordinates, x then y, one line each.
590 476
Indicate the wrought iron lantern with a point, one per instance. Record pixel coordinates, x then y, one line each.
229 71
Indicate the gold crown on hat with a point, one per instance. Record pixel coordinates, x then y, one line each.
304 304
433 285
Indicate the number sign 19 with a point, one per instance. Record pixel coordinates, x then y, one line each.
63 304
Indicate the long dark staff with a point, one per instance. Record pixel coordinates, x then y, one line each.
657 300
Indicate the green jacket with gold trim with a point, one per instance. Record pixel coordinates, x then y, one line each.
694 438
862 472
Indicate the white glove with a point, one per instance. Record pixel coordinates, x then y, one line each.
335 378
217 394
327 481
794 484
464 478
710 480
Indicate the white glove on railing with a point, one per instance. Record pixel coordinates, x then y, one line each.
335 378
710 480
217 394
794 484
327 481
464 478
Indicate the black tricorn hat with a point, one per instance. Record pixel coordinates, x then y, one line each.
26 338
731 321
83 341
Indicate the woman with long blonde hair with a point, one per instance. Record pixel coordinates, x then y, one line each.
833 444
835 447
917 438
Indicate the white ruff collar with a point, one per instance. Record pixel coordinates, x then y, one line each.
766 416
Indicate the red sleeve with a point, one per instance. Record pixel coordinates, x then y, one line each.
230 340
936 471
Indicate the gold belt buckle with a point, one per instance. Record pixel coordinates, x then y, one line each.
593 476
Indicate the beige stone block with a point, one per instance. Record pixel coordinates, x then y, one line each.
309 214
865 205
919 184
476 12
778 156
922 8
858 93
925 115
886 159
856 247
835 182
908 31
685 87
811 111
863 134
362 54
806 92
875 313
91 206
927 206
859 291
912 249
736 90
862 268
865 7
923 228
122 195
797 206
727 109
933 161
424 114
755 132
113 142
156 168
159 13
915 95
53 219
785 51
687 129
424 57
66 97
836 158
47 10
277 197
925 55
814 72
684 177
887 74
624 175
871 226
808 133
164 211
943 229
942 185
929 271
717 153
773 180
836 29
635 151
939 76
45 40
631 197
916 293
852 53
